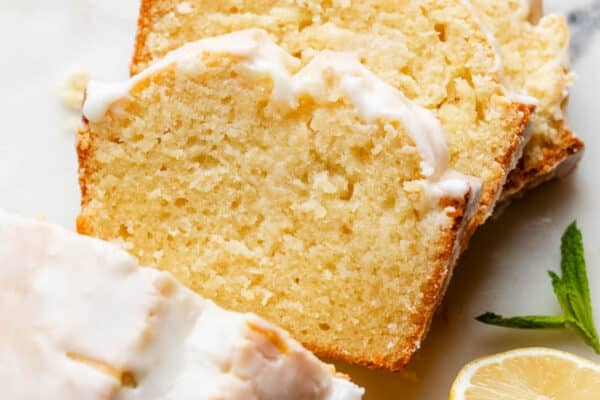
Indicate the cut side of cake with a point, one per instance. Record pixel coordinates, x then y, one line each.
317 196
534 51
83 320
434 51
534 54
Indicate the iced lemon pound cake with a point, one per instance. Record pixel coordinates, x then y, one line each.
318 196
534 53
434 51
84 321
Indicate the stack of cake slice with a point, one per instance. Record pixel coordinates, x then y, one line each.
323 164
535 55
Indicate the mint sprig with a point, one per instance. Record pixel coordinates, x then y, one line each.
572 291
524 322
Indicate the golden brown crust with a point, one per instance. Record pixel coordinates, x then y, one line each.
441 280
433 293
85 151
141 55
509 161
536 11
529 175
435 289
526 177
463 230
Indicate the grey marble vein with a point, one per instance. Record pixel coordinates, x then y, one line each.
584 23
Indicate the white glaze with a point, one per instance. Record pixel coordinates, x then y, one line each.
497 49
523 98
70 303
489 35
329 77
256 50
456 185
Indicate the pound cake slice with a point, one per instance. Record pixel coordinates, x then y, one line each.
434 51
84 321
318 197
534 51
534 54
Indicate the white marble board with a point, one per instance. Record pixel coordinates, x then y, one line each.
504 269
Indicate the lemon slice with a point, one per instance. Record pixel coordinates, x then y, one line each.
528 374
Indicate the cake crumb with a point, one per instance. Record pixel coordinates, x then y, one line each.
73 89
184 8
158 255
71 95
266 297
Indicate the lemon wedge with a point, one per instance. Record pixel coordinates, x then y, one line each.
528 374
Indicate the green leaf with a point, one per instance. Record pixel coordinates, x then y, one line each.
589 337
574 275
562 295
572 290
524 322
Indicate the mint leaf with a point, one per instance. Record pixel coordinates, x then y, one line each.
562 294
590 338
525 322
572 292
575 297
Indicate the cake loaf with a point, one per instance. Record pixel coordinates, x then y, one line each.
316 195
434 51
534 52
84 321
533 55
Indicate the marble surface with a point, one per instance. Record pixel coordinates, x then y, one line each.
504 269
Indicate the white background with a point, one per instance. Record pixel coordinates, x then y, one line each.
503 271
